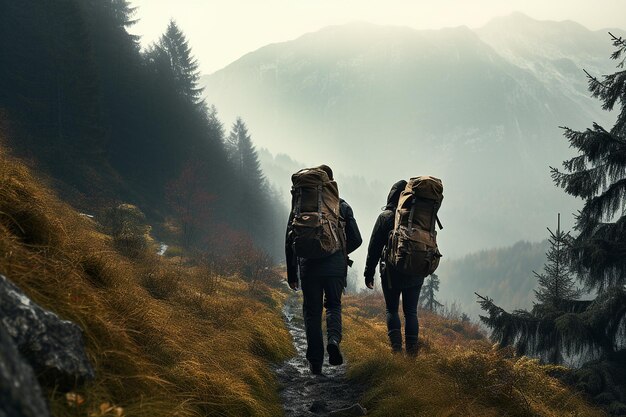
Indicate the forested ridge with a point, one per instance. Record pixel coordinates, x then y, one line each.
111 123
503 273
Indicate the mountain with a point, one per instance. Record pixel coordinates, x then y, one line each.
478 108
554 52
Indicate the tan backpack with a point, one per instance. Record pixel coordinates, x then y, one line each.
412 247
316 229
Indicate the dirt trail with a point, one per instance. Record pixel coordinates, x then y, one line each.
304 394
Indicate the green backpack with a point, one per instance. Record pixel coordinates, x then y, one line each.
412 246
316 229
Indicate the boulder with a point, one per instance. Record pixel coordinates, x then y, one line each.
20 393
53 347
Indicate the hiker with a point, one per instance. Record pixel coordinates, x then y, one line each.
395 281
322 271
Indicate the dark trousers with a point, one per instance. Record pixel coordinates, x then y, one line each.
317 293
410 297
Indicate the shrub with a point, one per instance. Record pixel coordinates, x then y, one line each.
128 226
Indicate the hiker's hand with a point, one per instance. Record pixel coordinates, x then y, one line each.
293 285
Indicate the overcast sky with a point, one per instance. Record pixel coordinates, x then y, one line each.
221 31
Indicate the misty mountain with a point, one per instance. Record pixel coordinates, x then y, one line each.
478 108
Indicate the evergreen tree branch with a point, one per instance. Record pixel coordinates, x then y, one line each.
593 81
620 44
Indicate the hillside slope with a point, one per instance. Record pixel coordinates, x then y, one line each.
166 336
457 372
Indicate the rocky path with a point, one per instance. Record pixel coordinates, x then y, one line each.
304 394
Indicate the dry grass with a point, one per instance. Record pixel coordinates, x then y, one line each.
165 339
458 373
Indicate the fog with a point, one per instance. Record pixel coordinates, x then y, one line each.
480 109
382 103
221 31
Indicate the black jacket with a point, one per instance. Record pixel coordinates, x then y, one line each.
378 242
333 265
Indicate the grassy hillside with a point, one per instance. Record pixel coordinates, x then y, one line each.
168 337
458 372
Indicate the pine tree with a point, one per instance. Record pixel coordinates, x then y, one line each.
556 284
427 296
214 124
172 54
254 190
123 14
598 254
593 330
536 332
243 153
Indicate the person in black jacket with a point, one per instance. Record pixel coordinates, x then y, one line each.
394 283
323 281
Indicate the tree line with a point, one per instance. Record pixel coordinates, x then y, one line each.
113 122
566 327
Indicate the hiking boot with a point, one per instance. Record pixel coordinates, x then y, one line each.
395 339
412 346
316 368
334 354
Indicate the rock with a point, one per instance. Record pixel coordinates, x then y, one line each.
20 393
318 406
53 347
355 410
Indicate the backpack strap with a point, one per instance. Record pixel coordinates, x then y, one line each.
298 206
319 200
411 213
436 217
433 219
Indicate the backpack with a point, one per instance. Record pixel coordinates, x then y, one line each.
316 229
412 246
